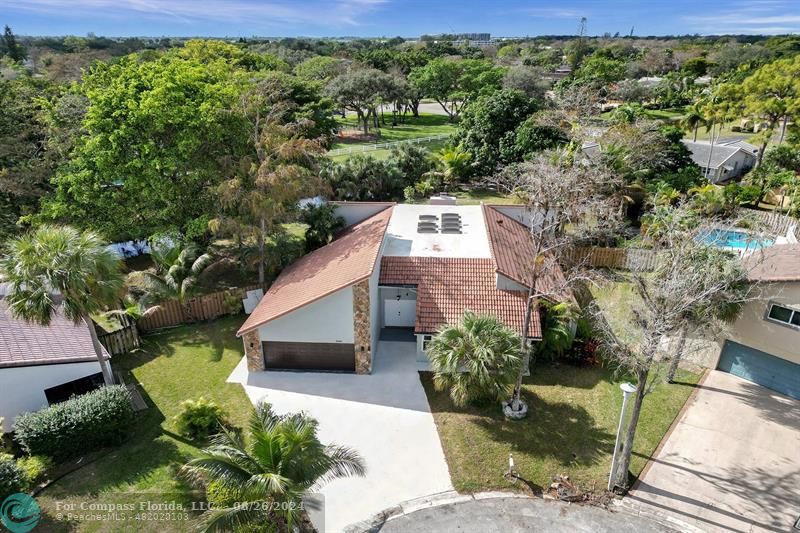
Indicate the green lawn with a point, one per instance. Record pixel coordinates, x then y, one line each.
570 430
476 196
185 362
572 422
425 125
383 153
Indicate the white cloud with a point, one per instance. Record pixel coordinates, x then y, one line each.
317 12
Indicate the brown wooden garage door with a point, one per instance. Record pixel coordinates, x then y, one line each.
310 356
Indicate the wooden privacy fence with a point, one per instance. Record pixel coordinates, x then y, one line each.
627 258
122 340
207 307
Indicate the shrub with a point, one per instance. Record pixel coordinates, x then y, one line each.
80 424
35 467
12 477
199 418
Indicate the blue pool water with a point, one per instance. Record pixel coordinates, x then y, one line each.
741 240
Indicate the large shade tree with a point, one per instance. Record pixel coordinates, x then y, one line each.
455 83
156 133
264 477
60 269
362 91
772 93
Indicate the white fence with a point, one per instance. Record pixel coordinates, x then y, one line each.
359 148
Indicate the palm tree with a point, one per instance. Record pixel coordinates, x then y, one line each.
693 120
280 462
476 359
452 164
57 268
177 271
558 329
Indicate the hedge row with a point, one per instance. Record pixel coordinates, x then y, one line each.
83 423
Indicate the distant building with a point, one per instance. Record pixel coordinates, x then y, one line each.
481 40
724 161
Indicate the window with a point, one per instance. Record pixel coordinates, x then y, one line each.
426 339
784 315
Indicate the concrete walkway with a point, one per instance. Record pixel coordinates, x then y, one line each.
496 513
732 462
384 416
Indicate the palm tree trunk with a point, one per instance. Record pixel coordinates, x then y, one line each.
694 136
261 253
676 358
624 458
105 366
711 150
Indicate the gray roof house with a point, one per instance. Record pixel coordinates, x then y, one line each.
726 160
41 365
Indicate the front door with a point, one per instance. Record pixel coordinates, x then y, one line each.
399 313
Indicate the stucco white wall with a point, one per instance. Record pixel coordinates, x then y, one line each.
329 319
22 388
355 212
753 330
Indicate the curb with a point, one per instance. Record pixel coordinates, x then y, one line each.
374 523
659 517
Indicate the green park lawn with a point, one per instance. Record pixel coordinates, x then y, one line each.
173 365
425 125
569 430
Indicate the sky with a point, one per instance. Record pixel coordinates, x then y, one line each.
408 18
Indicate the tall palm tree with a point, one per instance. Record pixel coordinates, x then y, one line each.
476 359
57 268
177 271
280 462
693 120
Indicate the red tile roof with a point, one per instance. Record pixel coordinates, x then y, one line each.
446 287
347 260
27 344
776 263
513 252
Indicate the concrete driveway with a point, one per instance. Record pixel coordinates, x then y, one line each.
732 462
384 416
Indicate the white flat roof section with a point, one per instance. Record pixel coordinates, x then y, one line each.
404 240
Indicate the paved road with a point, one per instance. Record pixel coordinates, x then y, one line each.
385 417
731 464
510 515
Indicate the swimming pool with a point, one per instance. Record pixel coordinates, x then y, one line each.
739 240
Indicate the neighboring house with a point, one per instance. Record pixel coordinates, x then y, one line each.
724 161
398 272
42 365
764 344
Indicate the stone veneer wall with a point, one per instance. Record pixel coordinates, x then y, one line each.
253 350
361 327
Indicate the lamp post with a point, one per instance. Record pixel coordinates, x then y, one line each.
627 390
